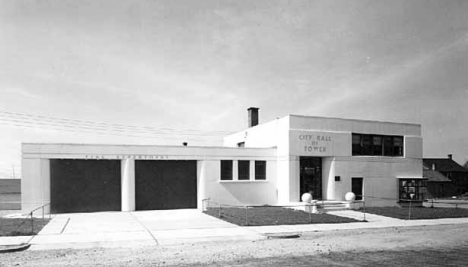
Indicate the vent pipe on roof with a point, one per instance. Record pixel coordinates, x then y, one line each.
184 144
253 116
449 156
433 166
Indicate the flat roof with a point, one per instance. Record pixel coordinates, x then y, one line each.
129 145
357 120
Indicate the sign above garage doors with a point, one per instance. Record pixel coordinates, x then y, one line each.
125 157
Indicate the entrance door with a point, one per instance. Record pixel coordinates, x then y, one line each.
311 176
356 187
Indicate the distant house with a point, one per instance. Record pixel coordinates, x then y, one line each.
445 176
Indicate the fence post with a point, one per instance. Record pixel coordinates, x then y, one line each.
409 211
219 214
310 212
246 216
43 213
32 222
364 210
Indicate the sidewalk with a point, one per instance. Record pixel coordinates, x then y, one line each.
152 228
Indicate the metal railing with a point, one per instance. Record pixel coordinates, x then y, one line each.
30 217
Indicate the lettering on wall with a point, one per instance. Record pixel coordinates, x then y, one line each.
125 157
315 143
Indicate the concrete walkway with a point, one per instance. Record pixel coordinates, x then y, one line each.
165 227
141 228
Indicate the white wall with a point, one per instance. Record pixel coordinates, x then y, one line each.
379 174
36 170
35 184
356 126
235 192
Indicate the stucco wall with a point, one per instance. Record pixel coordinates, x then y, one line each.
357 126
380 177
36 169
239 192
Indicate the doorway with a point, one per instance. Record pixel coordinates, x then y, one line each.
311 176
356 187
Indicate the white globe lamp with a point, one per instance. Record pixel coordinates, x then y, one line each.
350 196
306 198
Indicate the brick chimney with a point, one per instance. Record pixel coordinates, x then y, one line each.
449 156
253 116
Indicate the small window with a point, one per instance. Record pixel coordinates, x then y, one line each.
377 146
388 146
226 169
260 170
243 168
367 144
398 146
357 147
337 178
412 189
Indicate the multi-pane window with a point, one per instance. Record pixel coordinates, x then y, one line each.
243 170
357 144
377 145
367 144
226 169
398 146
260 170
412 189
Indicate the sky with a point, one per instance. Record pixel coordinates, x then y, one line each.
165 72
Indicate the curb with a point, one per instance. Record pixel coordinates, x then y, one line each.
14 248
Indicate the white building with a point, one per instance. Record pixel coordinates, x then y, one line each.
271 163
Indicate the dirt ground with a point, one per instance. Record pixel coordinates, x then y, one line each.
440 245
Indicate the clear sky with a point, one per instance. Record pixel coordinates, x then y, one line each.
194 67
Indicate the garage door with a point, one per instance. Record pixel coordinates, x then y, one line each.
165 184
84 185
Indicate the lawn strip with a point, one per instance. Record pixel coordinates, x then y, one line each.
262 216
418 213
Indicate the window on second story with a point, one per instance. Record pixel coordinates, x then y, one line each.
377 145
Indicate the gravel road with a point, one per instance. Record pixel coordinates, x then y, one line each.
258 253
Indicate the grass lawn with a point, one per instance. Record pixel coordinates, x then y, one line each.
21 227
418 212
261 216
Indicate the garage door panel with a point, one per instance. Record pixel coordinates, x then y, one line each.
165 184
85 185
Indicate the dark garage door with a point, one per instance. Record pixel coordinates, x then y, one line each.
165 184
84 185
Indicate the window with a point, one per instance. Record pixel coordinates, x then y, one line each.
357 147
412 189
367 144
388 146
377 145
226 169
398 146
243 170
260 170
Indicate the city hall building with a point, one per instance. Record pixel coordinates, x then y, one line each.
267 164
